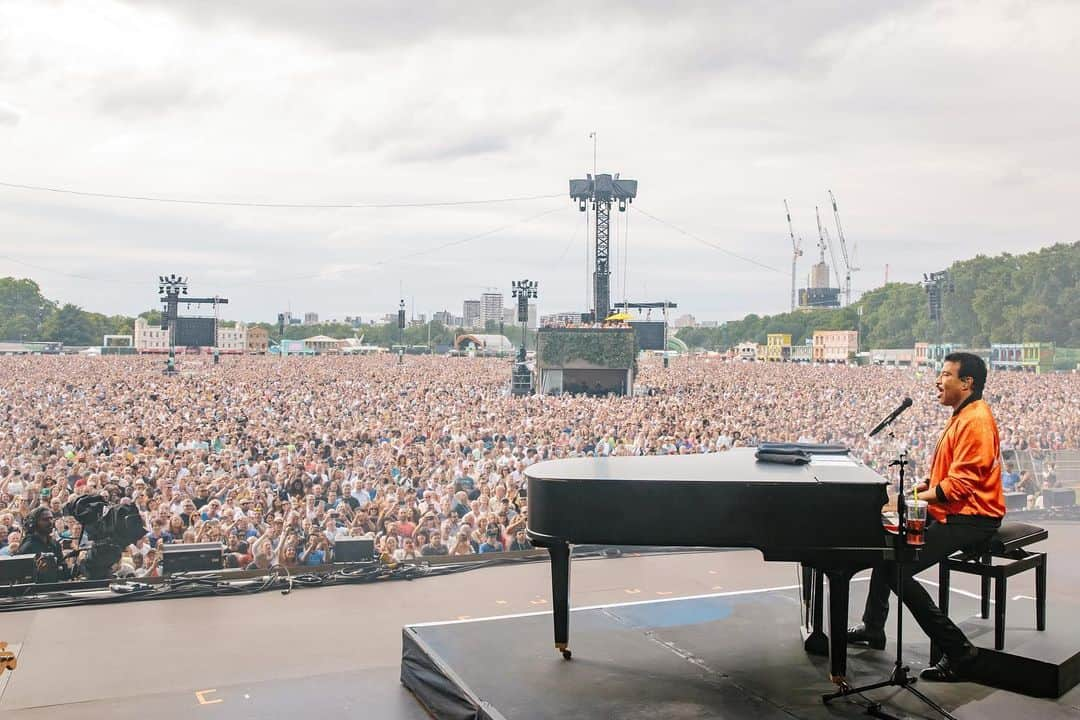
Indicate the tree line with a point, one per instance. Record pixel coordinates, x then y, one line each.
1033 297
26 316
1008 298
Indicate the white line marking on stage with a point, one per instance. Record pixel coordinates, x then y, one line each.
1022 597
731 593
965 593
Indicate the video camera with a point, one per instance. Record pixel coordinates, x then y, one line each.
111 528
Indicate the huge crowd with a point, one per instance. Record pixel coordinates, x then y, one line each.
278 459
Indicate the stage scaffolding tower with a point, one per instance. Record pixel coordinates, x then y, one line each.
602 190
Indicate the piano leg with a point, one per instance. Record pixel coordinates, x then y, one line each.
839 587
817 642
560 595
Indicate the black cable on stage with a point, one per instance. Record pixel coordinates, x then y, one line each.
277 578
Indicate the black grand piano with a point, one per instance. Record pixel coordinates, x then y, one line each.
825 515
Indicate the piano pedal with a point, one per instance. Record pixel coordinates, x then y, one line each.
562 648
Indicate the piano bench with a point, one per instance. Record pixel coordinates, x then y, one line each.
1008 546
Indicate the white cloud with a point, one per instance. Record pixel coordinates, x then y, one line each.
945 129
9 115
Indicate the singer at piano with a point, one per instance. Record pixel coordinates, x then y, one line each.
966 503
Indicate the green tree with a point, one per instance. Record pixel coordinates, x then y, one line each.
71 326
22 310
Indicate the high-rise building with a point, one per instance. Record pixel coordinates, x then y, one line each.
470 313
311 318
684 321
444 317
491 307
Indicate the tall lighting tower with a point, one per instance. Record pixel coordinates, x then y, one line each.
523 290
936 285
170 288
796 253
602 190
401 331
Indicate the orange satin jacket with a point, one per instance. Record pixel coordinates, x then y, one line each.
967 467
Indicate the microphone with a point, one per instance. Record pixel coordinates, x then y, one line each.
892 416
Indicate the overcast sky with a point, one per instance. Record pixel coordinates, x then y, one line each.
944 129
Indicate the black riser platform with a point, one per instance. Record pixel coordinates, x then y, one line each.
735 656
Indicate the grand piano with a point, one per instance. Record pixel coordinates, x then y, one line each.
825 514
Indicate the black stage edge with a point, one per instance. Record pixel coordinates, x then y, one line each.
729 655
436 686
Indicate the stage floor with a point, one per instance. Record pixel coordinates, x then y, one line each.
336 652
715 656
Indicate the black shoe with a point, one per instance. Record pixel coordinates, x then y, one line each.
862 635
951 671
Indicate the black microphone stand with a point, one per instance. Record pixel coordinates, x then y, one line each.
900 676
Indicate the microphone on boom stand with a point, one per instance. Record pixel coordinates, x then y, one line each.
892 416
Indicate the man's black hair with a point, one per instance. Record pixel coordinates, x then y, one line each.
971 366
30 524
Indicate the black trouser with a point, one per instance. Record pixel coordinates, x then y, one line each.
942 540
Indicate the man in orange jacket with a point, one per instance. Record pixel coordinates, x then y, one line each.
966 502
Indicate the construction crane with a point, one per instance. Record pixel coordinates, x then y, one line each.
796 253
820 238
823 241
849 265
832 254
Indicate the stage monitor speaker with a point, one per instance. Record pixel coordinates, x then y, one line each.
17 569
1059 497
1015 501
352 550
186 558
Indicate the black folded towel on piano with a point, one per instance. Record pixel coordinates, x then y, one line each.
795 453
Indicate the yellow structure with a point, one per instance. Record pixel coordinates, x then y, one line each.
777 347
1038 356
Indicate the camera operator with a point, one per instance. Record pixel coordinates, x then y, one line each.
40 541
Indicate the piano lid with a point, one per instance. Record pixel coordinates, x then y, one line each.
736 465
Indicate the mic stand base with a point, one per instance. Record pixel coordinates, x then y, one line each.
900 677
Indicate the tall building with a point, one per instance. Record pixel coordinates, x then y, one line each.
819 275
491 307
510 315
444 317
684 321
470 313
311 318
817 293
